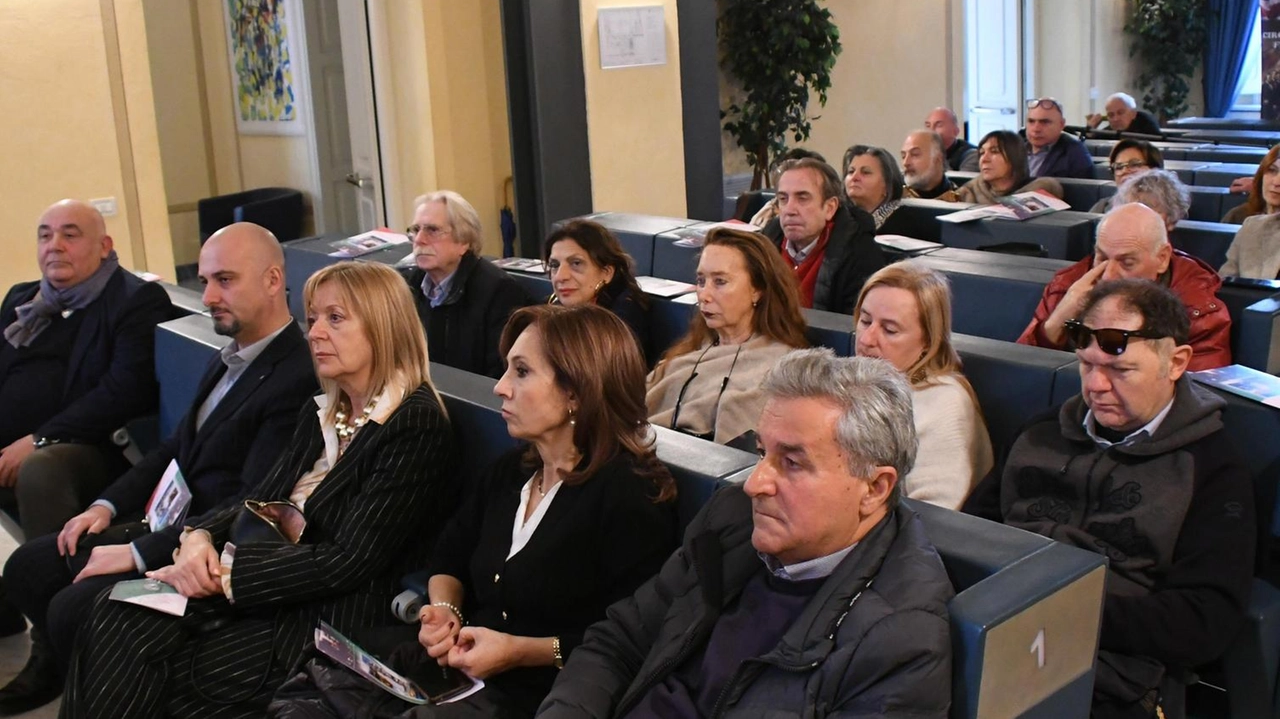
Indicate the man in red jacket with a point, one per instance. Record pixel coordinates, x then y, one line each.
1132 243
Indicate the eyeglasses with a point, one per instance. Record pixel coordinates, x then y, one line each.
1044 103
433 232
1110 340
1131 165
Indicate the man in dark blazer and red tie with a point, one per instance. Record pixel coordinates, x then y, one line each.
243 416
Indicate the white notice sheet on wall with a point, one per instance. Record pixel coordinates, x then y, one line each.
632 36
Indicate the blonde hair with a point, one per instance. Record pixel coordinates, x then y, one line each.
379 297
933 304
463 218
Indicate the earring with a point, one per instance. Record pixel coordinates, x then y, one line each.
573 421
599 287
754 303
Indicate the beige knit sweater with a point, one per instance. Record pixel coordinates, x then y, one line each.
704 409
955 451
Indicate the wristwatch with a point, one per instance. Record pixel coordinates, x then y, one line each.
42 442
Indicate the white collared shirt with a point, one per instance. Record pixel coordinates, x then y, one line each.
522 530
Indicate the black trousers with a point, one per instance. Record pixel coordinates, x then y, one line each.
38 582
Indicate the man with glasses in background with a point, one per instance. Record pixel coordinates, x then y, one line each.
1050 152
463 301
1133 243
1137 467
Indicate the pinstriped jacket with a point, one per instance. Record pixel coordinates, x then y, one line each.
374 518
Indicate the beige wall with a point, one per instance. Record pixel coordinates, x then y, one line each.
634 125
896 65
78 124
1081 46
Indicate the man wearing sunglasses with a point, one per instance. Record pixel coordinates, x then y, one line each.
1050 152
1133 243
1137 467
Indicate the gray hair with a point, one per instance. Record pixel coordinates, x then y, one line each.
1126 98
1161 190
463 218
876 425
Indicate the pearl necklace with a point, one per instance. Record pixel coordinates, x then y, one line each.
345 431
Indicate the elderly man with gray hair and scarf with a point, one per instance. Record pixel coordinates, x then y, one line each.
77 362
1138 468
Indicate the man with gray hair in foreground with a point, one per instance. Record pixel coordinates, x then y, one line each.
807 588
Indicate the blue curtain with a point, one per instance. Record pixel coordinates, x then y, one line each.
1230 23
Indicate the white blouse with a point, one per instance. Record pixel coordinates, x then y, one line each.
521 530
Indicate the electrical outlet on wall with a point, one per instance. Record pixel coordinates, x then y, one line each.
105 205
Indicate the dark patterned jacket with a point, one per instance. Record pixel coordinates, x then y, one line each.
1173 512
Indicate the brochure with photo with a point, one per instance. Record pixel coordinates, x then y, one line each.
367 242
521 264
663 288
1244 381
451 685
1021 206
152 594
170 500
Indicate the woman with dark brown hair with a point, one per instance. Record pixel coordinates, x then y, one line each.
708 383
557 531
1002 171
586 264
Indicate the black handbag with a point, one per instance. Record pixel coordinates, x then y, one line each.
113 534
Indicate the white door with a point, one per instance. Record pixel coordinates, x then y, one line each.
337 200
364 174
993 49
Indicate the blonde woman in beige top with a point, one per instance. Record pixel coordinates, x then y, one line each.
904 316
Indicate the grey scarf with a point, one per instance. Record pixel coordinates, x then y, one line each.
34 317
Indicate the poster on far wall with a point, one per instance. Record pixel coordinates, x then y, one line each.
1270 59
264 38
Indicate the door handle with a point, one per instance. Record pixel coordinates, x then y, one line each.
354 178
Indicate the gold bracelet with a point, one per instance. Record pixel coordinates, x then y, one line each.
555 651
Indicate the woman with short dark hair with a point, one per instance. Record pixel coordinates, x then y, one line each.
1129 158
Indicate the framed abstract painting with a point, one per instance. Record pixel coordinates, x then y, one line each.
268 81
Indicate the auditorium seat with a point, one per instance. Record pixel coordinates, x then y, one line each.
919 218
995 301
302 258
1065 235
1015 382
1222 174
1207 240
1024 621
1083 194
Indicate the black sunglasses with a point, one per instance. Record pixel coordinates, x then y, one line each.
1110 340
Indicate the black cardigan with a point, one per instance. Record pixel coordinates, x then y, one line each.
597 542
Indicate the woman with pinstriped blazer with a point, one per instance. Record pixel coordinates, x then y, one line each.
371 468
